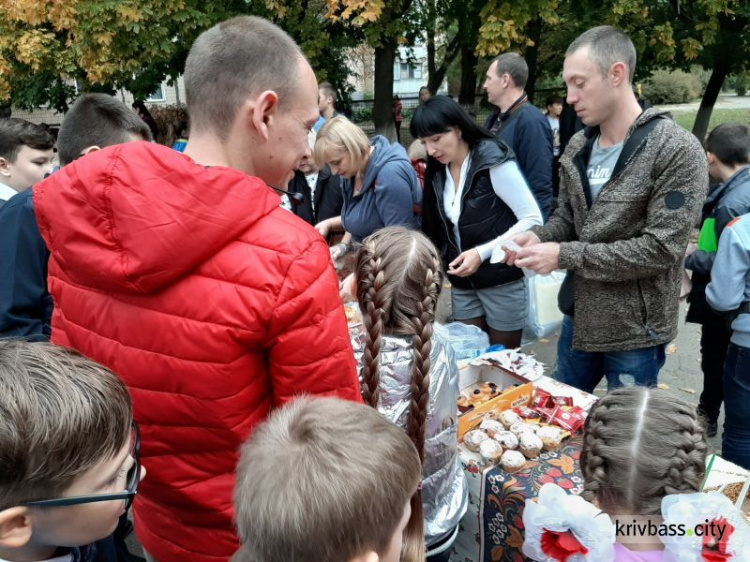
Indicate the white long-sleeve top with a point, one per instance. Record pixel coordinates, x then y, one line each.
510 186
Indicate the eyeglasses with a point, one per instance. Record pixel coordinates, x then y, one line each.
132 481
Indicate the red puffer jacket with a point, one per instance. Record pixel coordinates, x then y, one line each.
211 302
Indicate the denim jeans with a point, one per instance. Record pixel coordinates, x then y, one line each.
584 369
735 443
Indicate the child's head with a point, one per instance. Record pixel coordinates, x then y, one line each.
25 153
65 432
554 106
96 121
640 445
326 480
729 144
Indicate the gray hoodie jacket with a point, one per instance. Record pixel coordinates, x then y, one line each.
730 277
627 250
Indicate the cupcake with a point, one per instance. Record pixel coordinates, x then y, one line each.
507 439
491 427
551 437
530 444
490 450
477 397
463 404
474 438
512 461
509 417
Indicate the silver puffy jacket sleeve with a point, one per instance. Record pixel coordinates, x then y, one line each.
444 487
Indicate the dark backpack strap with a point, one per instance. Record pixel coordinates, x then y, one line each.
632 145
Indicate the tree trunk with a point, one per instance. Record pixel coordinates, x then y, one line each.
468 89
431 66
436 78
382 110
702 119
534 32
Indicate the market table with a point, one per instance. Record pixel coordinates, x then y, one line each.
492 528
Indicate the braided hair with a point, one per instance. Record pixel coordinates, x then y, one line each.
399 280
639 446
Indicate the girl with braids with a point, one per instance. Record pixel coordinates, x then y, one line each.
643 461
408 372
641 445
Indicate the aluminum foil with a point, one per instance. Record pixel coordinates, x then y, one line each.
444 487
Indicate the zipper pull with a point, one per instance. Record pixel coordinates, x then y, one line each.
650 332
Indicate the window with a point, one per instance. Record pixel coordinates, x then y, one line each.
158 95
407 71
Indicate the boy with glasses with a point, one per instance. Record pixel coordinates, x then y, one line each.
69 453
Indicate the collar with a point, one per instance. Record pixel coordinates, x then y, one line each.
504 115
6 192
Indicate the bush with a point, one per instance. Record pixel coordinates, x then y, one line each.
671 87
361 114
739 83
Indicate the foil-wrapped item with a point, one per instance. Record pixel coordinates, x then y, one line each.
444 487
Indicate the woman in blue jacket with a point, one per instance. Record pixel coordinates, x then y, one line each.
380 185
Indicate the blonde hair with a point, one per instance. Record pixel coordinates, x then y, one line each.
339 134
313 484
639 446
61 414
417 151
399 281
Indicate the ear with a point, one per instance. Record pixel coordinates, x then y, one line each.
4 167
366 557
15 527
711 157
619 74
264 111
89 150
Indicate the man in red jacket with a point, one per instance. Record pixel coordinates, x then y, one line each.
182 273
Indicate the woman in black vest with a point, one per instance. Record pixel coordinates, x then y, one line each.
475 197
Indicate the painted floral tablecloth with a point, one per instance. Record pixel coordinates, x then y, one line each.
492 530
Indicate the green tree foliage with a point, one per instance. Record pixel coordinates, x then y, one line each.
135 44
385 26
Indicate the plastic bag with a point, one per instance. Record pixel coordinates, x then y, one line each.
544 315
467 341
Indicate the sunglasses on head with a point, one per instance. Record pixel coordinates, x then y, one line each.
131 488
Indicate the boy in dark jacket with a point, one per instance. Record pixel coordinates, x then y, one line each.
321 192
69 454
94 121
25 156
728 149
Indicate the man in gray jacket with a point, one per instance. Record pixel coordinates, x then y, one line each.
623 223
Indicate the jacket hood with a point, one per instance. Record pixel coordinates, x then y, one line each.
135 217
384 153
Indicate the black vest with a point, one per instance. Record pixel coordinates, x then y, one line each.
484 216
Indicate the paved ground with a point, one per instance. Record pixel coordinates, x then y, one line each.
730 101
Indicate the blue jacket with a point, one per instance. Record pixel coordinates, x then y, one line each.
528 133
25 303
730 276
725 203
391 195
